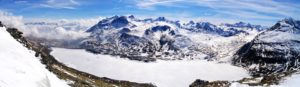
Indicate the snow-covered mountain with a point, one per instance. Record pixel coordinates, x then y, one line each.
20 68
225 30
275 50
160 38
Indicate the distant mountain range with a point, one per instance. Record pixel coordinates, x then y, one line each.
160 38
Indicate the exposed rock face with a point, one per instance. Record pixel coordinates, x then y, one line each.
1 25
199 83
275 50
202 83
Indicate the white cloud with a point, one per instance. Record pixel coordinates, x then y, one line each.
63 29
241 9
60 4
21 2
58 33
10 20
265 6
56 4
149 4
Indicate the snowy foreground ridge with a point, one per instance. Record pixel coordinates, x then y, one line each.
20 68
160 73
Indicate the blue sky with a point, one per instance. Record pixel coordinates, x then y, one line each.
264 12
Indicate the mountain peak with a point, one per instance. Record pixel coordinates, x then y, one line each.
191 22
242 23
161 28
290 21
161 19
287 25
245 25
120 22
114 22
131 16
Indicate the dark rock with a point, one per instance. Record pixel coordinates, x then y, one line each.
160 28
1 25
199 83
131 16
161 19
120 22
125 30
203 83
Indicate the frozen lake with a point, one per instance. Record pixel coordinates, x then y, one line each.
160 73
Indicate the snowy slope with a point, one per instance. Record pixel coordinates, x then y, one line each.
292 81
161 73
20 68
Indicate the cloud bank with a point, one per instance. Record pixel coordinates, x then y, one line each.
10 20
64 29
